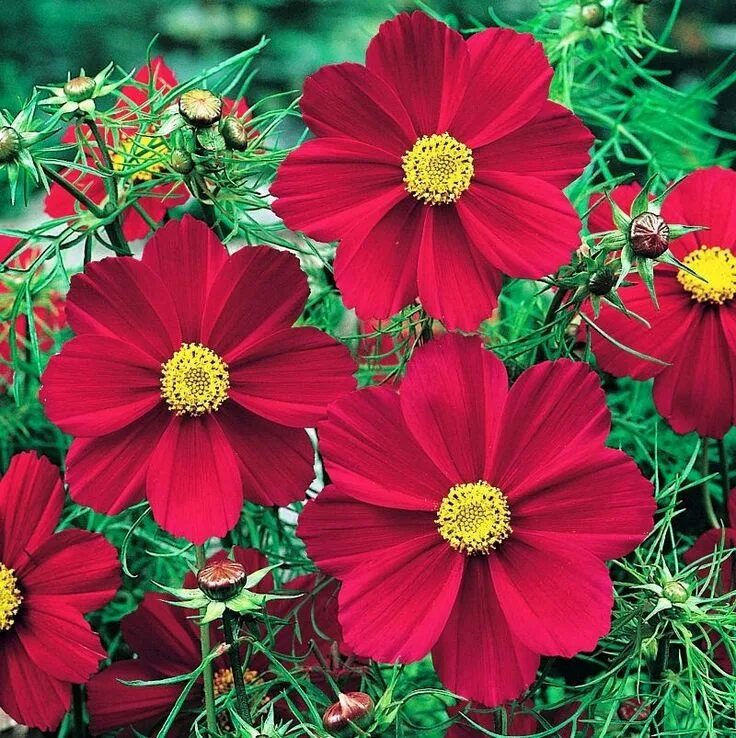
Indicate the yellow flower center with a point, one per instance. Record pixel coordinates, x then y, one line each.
144 154
10 597
437 169
195 380
474 518
717 267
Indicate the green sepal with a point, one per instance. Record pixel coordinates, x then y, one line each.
645 267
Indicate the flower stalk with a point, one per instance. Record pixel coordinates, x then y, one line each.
208 674
230 626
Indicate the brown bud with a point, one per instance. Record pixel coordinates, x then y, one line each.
9 144
235 133
181 161
353 707
201 108
634 709
649 235
593 15
78 89
600 282
222 579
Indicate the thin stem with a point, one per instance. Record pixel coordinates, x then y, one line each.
204 639
73 191
707 501
230 623
725 472
78 711
554 306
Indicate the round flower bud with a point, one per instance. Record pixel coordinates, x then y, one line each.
633 709
222 580
78 89
593 15
600 282
201 108
649 235
9 144
234 133
676 592
181 161
353 707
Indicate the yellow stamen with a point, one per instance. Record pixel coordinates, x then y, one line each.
717 267
10 597
438 169
146 152
195 380
474 518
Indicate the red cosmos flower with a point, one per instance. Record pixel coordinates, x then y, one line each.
48 314
187 384
694 329
166 640
439 166
471 520
48 582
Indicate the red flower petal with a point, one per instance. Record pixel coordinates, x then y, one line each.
156 203
477 655
122 298
705 546
108 473
557 598
186 255
257 292
156 74
328 185
98 385
74 567
426 63
349 101
509 83
276 463
291 376
369 452
192 459
31 499
60 204
457 284
553 146
452 399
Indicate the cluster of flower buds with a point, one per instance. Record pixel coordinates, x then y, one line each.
351 709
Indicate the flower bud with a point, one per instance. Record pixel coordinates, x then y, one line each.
593 15
78 89
234 133
201 108
600 282
9 144
222 580
181 161
353 707
633 709
649 235
676 592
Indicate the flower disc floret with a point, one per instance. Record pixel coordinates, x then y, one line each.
717 267
10 597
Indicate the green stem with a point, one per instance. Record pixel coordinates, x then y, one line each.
554 306
73 191
725 473
230 623
204 639
707 501
78 711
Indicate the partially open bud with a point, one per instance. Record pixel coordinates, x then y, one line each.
600 282
353 707
9 144
181 161
234 133
649 235
634 709
593 15
222 580
79 88
676 592
201 108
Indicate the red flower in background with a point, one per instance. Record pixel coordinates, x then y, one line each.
48 582
48 313
439 166
188 385
473 521
694 329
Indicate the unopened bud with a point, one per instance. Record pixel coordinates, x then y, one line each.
676 592
235 133
353 707
593 15
649 235
601 282
222 580
634 709
9 144
201 108
78 89
181 161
